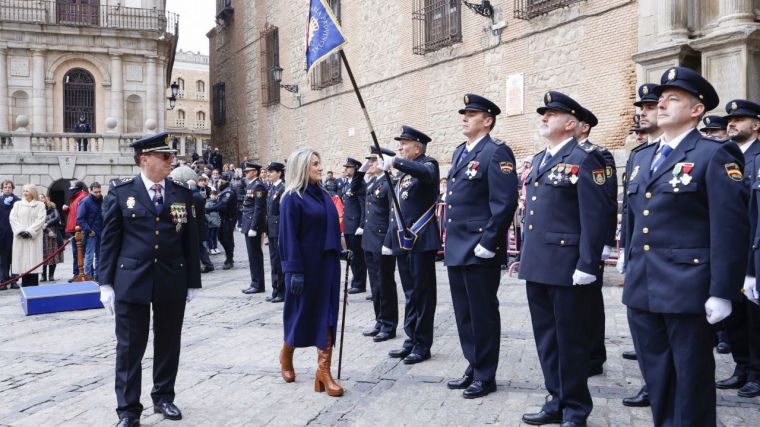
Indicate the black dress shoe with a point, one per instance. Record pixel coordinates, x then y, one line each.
356 290
252 290
384 336
640 400
269 298
207 269
4 288
572 424
128 422
368 297
735 381
594 371
415 358
630 355
227 265
460 383
479 388
542 418
751 389
371 332
170 411
400 354
14 285
278 299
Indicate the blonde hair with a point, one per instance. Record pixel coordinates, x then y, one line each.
297 172
32 189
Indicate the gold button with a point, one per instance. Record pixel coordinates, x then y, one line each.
449 206
453 179
696 260
533 198
562 242
449 219
530 227
450 193
157 232
155 247
646 212
155 260
181 265
648 195
134 216
122 266
535 184
480 230
676 190
532 212
158 219
647 248
645 230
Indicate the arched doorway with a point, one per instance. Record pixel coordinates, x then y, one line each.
58 193
78 98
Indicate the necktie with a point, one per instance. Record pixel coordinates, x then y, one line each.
547 159
462 156
158 198
663 154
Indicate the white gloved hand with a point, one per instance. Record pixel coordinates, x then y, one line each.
606 252
107 298
251 233
192 293
359 231
717 309
620 265
386 251
581 278
385 164
482 252
750 289
365 166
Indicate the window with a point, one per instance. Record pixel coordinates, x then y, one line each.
437 24
200 90
181 90
328 72
218 102
270 56
527 9
200 120
180 119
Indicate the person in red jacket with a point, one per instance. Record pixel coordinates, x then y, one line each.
77 192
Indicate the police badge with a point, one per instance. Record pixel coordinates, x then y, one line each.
130 202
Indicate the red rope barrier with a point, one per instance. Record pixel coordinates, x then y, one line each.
57 251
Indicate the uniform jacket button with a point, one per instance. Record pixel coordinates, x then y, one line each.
646 212
648 195
562 242
696 260
158 219
647 248
157 232
534 198
645 230
155 260
535 184
530 227
480 230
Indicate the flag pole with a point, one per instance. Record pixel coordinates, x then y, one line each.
374 139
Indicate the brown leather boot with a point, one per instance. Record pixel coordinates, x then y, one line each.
324 379
286 363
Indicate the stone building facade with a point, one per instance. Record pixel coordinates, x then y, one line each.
188 122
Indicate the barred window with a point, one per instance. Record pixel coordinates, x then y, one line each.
270 57
437 24
528 9
219 104
328 72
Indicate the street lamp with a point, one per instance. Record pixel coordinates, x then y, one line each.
277 75
173 99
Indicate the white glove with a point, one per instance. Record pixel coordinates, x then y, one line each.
750 290
606 252
386 251
191 293
359 231
107 298
581 278
717 309
482 252
251 233
385 165
365 166
620 265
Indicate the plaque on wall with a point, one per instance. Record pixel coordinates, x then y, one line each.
19 66
134 73
515 94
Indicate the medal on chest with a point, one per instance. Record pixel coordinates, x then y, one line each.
178 212
472 169
377 191
681 174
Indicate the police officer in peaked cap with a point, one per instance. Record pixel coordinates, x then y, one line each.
254 225
277 187
226 205
354 193
715 127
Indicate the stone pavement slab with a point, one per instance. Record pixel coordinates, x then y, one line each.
59 368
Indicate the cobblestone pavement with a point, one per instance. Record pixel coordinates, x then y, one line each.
59 368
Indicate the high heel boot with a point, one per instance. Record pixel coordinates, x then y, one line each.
286 363
323 379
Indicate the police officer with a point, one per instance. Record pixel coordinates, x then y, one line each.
715 127
226 205
481 203
254 224
381 268
742 326
565 231
149 259
686 251
415 242
353 218
275 172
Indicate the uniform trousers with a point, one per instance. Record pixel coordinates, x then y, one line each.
417 272
476 308
358 264
226 238
745 345
560 317
255 261
598 350
278 279
382 283
203 253
753 341
132 326
676 359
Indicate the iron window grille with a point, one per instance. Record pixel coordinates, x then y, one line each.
270 56
219 104
78 99
528 9
328 72
436 24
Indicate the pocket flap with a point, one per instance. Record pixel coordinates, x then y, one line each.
633 187
135 213
678 189
694 256
476 225
128 263
562 239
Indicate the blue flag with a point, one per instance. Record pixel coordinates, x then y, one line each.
323 34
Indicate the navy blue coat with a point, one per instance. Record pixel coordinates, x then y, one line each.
627 177
6 233
353 204
376 218
751 163
255 207
310 245
416 190
142 254
226 204
688 241
611 188
273 209
566 216
481 202
90 215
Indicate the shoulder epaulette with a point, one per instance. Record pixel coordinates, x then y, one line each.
179 183
588 147
463 143
116 182
639 147
497 141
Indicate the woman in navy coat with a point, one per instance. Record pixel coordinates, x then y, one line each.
310 250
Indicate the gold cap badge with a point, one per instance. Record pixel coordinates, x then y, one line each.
734 106
672 74
645 90
466 99
707 120
548 98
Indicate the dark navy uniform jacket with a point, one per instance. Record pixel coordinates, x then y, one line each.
627 178
226 204
376 217
143 254
353 204
686 236
481 202
751 163
566 216
417 190
273 209
611 188
255 207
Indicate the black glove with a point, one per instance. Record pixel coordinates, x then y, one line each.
296 284
347 255
25 235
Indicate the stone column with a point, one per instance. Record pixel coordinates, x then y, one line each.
4 110
117 91
182 145
734 12
151 90
161 91
39 112
672 20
